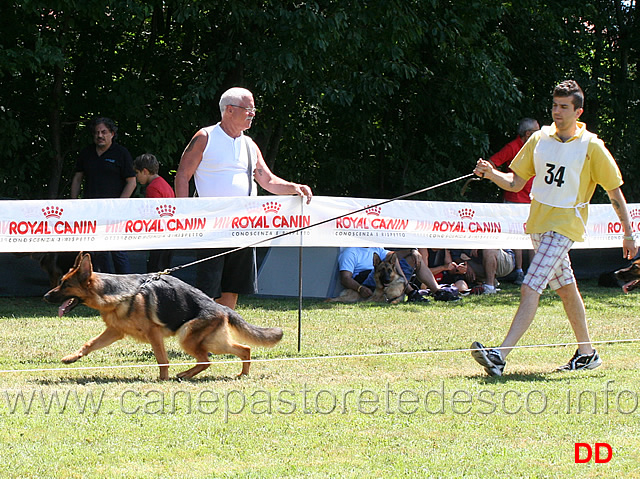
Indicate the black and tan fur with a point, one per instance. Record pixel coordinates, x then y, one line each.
55 264
630 276
390 283
150 307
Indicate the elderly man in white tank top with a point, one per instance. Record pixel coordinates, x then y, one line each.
223 161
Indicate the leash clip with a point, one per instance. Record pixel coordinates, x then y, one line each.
153 277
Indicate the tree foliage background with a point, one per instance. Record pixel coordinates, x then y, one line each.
360 98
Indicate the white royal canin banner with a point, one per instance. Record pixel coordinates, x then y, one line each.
190 223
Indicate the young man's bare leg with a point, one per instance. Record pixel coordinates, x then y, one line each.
574 307
529 300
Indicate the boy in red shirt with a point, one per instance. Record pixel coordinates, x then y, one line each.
146 167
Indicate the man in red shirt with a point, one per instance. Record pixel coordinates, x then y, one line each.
526 128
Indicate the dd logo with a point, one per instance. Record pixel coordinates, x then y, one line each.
583 457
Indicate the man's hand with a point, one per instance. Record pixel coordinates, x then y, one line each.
364 291
470 275
507 181
483 168
304 190
629 248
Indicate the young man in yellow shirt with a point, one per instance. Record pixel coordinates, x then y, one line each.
568 162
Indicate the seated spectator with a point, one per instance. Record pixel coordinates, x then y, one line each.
444 269
484 266
356 270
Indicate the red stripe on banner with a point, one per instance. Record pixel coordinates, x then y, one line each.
186 223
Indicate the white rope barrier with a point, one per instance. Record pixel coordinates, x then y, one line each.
311 358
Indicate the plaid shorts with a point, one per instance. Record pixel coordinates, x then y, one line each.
551 264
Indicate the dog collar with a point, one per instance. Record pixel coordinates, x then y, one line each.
393 299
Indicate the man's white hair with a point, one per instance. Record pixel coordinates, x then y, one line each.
233 96
527 124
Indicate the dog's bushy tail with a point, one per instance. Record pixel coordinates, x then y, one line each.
252 334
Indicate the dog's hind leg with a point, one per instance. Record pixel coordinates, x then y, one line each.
192 339
240 350
103 340
203 363
244 353
221 343
201 354
157 344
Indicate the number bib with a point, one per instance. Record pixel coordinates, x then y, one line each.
558 166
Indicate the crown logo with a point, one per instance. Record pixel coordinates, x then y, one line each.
254 207
374 210
466 213
166 210
52 212
145 209
634 213
271 207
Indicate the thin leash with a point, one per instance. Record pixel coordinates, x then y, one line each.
271 238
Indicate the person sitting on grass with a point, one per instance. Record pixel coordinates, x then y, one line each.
356 271
485 266
444 269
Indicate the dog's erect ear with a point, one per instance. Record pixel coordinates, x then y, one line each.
85 269
392 259
78 259
376 260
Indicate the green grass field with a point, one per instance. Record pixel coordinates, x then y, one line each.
377 391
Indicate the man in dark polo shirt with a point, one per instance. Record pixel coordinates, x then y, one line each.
107 170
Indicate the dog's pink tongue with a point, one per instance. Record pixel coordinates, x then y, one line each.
63 307
633 284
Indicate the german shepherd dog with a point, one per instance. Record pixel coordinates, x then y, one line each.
390 283
150 307
630 276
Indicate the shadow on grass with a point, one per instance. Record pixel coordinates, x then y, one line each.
96 380
146 361
552 376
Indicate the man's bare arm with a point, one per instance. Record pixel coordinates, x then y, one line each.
619 203
508 181
276 185
191 158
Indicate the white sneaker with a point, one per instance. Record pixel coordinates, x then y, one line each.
488 289
490 359
582 361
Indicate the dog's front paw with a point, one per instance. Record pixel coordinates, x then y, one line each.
72 358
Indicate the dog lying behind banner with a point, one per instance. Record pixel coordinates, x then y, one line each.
630 276
390 283
150 307
55 264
